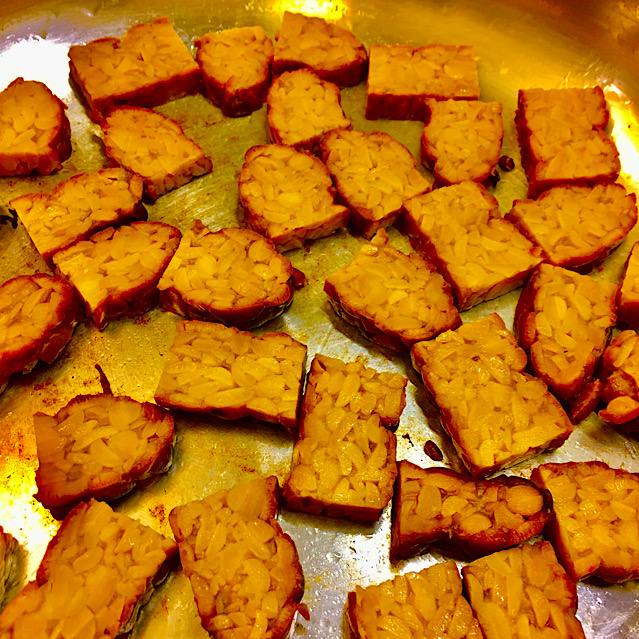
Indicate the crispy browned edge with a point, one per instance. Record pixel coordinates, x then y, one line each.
404 546
146 96
553 530
537 185
59 147
135 301
140 474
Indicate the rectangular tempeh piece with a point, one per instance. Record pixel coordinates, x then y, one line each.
95 573
9 567
522 593
147 66
393 298
437 504
461 229
79 207
415 605
562 138
244 570
344 461
216 369
494 413
401 77
595 530
628 296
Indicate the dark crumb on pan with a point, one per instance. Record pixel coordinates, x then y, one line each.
506 163
432 450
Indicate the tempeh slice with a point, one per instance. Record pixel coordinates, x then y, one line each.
402 77
244 570
79 207
97 571
301 107
236 68
101 447
595 530
620 377
147 66
116 271
36 133
494 413
329 50
216 369
523 592
233 276
344 460
480 517
462 140
288 196
576 226
562 138
414 605
564 320
394 298
154 147
628 296
37 316
9 567
461 230
374 175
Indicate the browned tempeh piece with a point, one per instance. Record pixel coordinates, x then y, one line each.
99 446
628 296
394 298
116 271
344 460
244 570
437 504
36 133
233 276
37 316
9 567
147 66
329 50
216 369
236 68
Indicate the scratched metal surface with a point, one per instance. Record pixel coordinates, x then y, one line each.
518 45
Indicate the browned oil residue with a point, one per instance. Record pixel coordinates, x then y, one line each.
158 512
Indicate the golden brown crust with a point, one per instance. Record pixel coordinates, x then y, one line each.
216 369
288 196
494 413
344 460
236 68
576 226
37 316
30 113
480 517
394 299
330 51
244 570
233 276
595 530
564 320
562 138
116 271
401 77
101 447
374 175
79 207
147 66
461 230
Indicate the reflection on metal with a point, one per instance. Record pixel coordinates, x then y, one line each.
329 9
40 59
